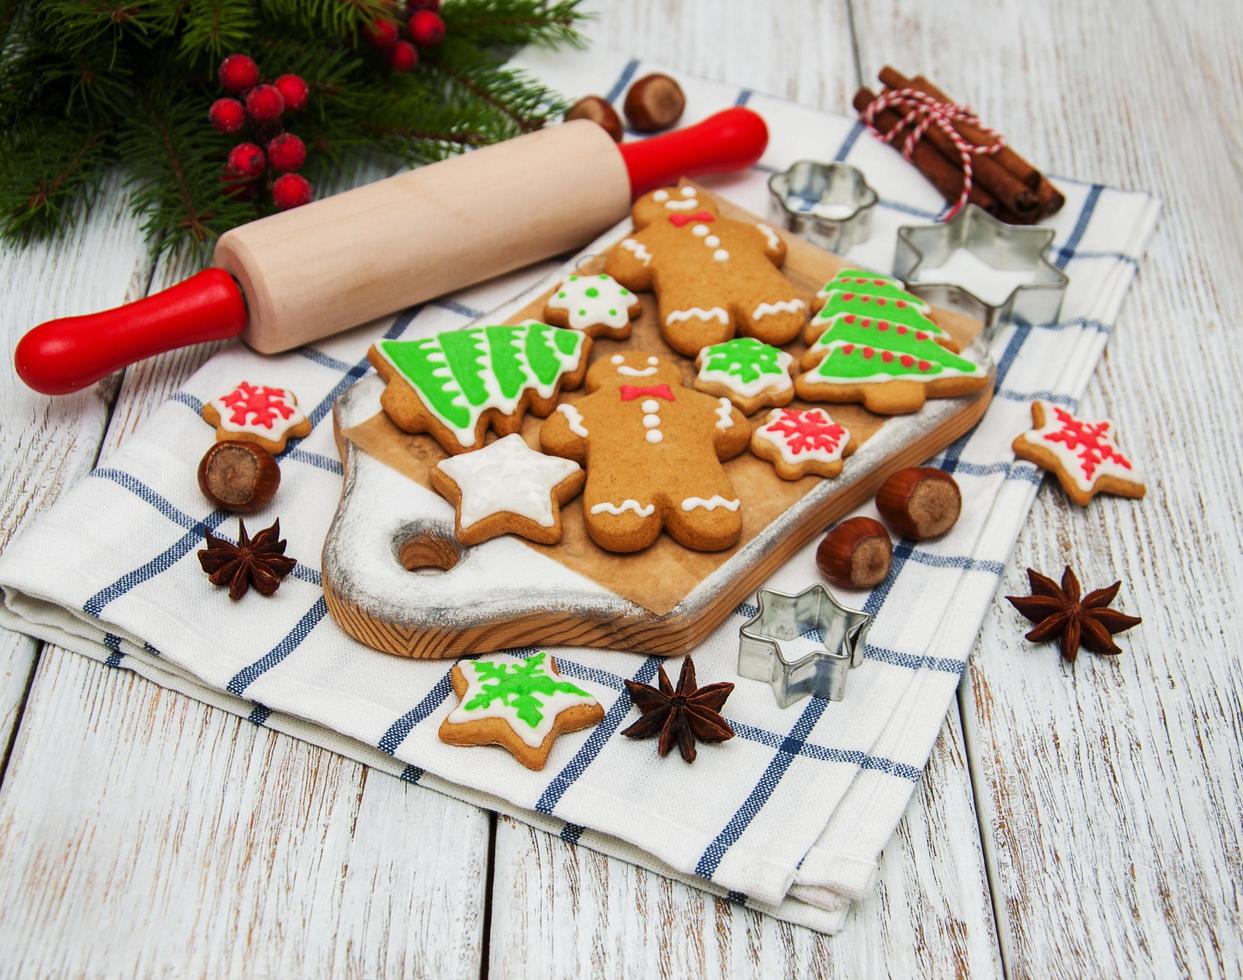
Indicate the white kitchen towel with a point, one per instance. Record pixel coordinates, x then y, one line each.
791 815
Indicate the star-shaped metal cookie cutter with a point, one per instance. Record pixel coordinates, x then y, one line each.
997 244
828 203
782 617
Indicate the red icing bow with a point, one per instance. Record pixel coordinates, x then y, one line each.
685 219
630 392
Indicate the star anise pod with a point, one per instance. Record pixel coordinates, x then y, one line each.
683 716
1059 612
260 561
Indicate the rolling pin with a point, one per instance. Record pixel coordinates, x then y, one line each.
299 275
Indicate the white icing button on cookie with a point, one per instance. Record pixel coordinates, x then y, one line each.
654 435
699 231
720 255
650 405
651 421
712 241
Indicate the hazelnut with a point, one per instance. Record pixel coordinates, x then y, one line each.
856 554
654 102
920 503
598 111
237 476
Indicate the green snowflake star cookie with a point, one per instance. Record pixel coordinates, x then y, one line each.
748 372
595 304
521 706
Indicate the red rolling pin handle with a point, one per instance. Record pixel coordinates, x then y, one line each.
62 356
65 355
733 139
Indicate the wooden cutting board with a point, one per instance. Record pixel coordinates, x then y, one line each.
396 578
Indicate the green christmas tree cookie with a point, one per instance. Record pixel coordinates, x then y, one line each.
455 384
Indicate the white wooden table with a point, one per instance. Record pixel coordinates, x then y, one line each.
1072 821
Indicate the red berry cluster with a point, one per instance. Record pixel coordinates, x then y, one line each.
422 26
262 106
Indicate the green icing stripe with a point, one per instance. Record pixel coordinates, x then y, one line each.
423 364
505 350
848 328
895 311
849 360
863 283
465 350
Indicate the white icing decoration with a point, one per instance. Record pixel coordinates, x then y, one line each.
774 242
616 359
678 316
712 503
1069 459
551 705
720 255
651 421
608 307
688 205
654 435
653 359
781 306
769 434
661 196
574 418
272 431
724 414
712 241
638 249
699 231
688 192
507 477
618 509
631 372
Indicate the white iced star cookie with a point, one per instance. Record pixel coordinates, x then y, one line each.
507 488
520 705
595 304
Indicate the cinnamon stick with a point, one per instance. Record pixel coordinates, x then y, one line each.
988 170
945 175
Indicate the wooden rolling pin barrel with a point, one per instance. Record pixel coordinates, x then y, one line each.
294 277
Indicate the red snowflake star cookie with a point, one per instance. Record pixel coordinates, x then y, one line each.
798 441
1081 454
257 413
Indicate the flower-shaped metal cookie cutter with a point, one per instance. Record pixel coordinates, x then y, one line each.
813 612
828 203
1009 248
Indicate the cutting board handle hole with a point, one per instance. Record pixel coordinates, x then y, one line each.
428 554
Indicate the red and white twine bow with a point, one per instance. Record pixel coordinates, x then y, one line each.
921 111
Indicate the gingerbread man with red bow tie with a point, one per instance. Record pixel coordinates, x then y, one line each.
713 277
652 449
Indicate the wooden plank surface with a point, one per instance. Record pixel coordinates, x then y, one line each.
141 832
1111 791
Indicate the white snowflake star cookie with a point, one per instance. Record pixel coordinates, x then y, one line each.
595 304
507 488
798 441
749 372
1082 455
257 413
520 705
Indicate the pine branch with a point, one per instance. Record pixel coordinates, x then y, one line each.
513 23
217 27
75 25
314 18
519 103
174 169
50 172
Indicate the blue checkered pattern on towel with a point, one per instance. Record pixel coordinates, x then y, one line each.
791 815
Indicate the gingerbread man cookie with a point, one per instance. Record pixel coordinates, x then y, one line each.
507 488
1081 454
653 451
521 707
257 413
713 276
456 384
595 304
